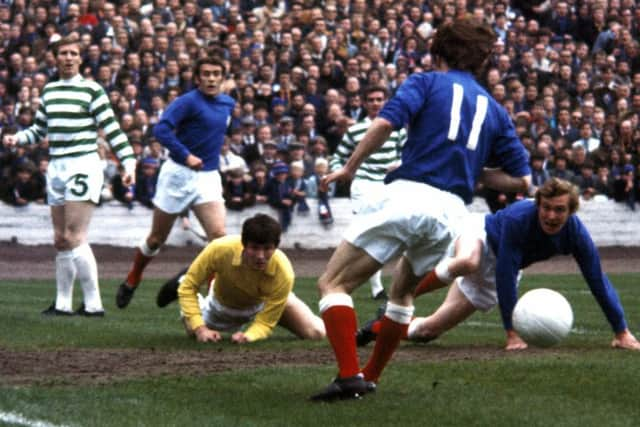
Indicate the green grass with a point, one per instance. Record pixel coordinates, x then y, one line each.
579 383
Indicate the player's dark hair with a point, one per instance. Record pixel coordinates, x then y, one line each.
464 45
211 60
376 88
555 187
262 230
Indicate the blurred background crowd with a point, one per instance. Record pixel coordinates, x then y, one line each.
567 71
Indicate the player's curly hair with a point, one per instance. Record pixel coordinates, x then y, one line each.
261 229
464 44
554 187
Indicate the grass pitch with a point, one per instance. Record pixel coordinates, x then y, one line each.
463 378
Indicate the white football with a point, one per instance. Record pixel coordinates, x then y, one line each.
542 317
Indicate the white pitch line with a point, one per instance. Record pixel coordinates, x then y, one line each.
19 419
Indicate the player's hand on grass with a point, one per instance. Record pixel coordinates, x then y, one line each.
625 340
239 338
204 334
193 162
514 342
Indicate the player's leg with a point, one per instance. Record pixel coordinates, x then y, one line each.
455 308
74 186
175 193
467 258
348 267
377 289
395 322
77 218
468 294
428 231
161 226
212 218
300 320
369 243
65 268
362 192
210 210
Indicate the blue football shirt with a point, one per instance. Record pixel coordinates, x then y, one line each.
454 128
195 124
516 237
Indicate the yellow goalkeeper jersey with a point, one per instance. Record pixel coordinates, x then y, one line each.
238 286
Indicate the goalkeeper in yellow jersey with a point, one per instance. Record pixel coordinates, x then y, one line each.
253 286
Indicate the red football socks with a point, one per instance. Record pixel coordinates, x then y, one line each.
341 324
429 283
388 339
377 325
140 261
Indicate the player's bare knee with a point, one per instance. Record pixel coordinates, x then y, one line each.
469 264
216 233
61 243
316 334
324 285
313 331
66 240
154 241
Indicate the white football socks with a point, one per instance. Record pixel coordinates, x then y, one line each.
413 327
65 276
87 271
376 283
442 271
399 313
147 251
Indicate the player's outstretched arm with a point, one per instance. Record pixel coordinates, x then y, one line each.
498 180
625 340
204 334
340 175
376 135
514 342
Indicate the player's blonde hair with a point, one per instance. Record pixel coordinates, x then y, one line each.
554 187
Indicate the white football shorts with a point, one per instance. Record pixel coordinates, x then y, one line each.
180 187
480 287
411 218
74 179
363 192
222 318
225 319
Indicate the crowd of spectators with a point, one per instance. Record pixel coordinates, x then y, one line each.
567 71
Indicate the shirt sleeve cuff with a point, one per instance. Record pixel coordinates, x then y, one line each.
255 333
195 322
